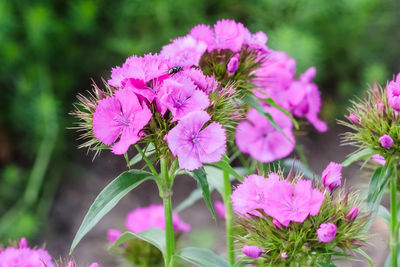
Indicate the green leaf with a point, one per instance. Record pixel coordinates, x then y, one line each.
201 177
154 236
365 255
272 103
366 152
138 157
202 257
379 181
252 101
108 198
384 214
224 165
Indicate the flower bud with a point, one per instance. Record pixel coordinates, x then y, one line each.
113 235
332 175
233 64
386 141
23 243
352 214
252 251
277 224
326 232
381 108
354 119
284 255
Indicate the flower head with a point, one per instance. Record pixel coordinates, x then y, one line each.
229 34
386 141
332 175
252 251
120 116
393 93
261 140
326 232
207 84
184 51
256 41
193 144
205 34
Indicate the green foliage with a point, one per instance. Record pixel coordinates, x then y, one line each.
201 257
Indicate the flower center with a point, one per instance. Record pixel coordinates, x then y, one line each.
124 120
194 138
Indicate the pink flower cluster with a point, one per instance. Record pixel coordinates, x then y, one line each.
153 84
144 218
283 201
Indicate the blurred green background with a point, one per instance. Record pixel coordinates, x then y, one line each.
49 51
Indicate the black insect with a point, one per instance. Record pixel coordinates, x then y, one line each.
174 70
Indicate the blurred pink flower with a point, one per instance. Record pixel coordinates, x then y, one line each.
332 175
120 116
229 35
180 96
194 145
252 251
151 216
326 232
184 51
378 159
113 235
220 208
386 141
261 140
94 264
256 41
393 93
354 119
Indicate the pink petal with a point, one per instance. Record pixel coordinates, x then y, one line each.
105 127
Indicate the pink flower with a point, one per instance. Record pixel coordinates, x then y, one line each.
220 208
181 97
288 203
94 264
113 235
23 243
351 215
332 175
151 216
184 51
71 264
386 141
120 116
284 255
204 33
393 93
378 159
252 194
354 119
25 256
256 41
261 140
194 145
229 35
305 99
233 64
207 84
326 232
252 251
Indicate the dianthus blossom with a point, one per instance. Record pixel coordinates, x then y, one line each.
393 93
332 175
326 232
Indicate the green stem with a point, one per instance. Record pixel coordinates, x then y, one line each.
228 219
146 159
166 194
394 238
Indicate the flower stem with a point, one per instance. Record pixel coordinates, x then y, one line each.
394 238
166 194
228 218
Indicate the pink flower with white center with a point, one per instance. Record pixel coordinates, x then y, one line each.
25 257
261 140
151 216
193 144
287 202
332 175
233 64
256 41
326 232
252 194
229 35
207 84
220 208
113 235
181 97
386 141
120 116
393 93
204 33
252 251
184 51
305 99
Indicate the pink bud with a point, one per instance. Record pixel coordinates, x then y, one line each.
113 235
277 224
233 64
326 232
352 214
381 108
94 264
220 208
252 251
284 255
353 118
71 264
378 159
386 141
332 175
23 243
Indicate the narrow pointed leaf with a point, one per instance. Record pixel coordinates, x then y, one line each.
272 103
154 236
224 165
366 152
378 183
365 255
108 198
202 257
201 177
137 158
